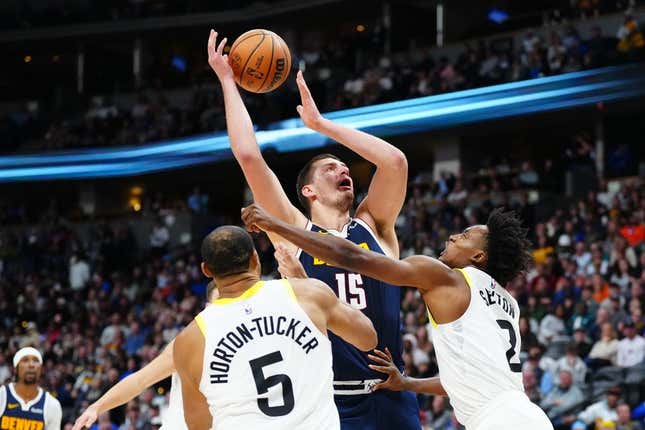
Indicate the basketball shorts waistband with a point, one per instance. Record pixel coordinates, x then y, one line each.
352 388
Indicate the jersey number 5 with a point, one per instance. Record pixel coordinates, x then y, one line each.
506 325
350 290
263 384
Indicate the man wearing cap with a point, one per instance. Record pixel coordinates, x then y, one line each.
631 350
23 404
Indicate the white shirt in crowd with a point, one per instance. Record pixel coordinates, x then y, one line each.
630 351
600 410
79 274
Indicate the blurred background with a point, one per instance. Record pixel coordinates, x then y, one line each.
114 165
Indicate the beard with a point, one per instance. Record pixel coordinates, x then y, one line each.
30 379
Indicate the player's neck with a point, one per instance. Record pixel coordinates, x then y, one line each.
235 286
26 392
329 218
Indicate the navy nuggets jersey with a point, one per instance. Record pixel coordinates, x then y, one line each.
16 415
378 300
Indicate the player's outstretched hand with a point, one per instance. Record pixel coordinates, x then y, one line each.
395 380
256 219
308 110
86 420
288 264
217 59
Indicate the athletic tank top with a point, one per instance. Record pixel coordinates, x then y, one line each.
379 301
266 365
478 354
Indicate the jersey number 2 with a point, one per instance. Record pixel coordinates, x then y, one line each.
263 384
350 290
506 325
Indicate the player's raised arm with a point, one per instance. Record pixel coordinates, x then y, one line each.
128 388
387 190
344 321
188 355
417 271
264 184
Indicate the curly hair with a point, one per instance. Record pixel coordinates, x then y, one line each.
507 248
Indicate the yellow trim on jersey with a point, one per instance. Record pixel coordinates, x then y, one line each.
467 277
245 295
432 321
470 284
289 288
201 324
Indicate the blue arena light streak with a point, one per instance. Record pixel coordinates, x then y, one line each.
401 117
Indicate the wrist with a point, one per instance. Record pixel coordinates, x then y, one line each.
228 83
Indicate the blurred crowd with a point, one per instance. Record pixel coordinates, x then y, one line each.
103 304
338 80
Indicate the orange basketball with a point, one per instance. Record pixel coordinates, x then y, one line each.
260 60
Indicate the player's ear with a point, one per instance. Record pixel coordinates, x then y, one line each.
308 191
205 271
478 259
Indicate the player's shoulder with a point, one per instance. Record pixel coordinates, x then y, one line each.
311 290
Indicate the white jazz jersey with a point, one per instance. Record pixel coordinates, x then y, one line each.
173 417
478 354
266 365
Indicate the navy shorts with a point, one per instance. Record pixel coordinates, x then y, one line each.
381 410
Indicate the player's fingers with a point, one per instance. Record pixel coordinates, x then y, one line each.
299 110
378 386
220 47
212 40
382 369
302 86
383 355
378 360
389 354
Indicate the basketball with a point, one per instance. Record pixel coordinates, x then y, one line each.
260 60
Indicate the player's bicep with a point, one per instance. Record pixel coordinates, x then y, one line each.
386 195
351 325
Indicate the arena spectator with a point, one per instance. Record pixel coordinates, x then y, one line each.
625 421
79 272
604 410
604 351
562 398
572 363
631 349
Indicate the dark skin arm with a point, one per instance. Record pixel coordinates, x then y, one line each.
398 382
444 290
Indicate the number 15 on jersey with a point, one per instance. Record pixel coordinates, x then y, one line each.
351 290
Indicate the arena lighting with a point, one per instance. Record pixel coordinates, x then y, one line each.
420 114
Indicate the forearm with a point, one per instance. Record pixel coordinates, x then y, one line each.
373 149
333 250
239 124
424 386
127 389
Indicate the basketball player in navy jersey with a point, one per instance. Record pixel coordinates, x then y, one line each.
325 189
23 404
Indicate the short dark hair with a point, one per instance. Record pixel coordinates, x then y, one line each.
227 250
304 177
507 248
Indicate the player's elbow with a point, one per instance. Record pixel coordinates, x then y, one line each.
398 161
248 157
